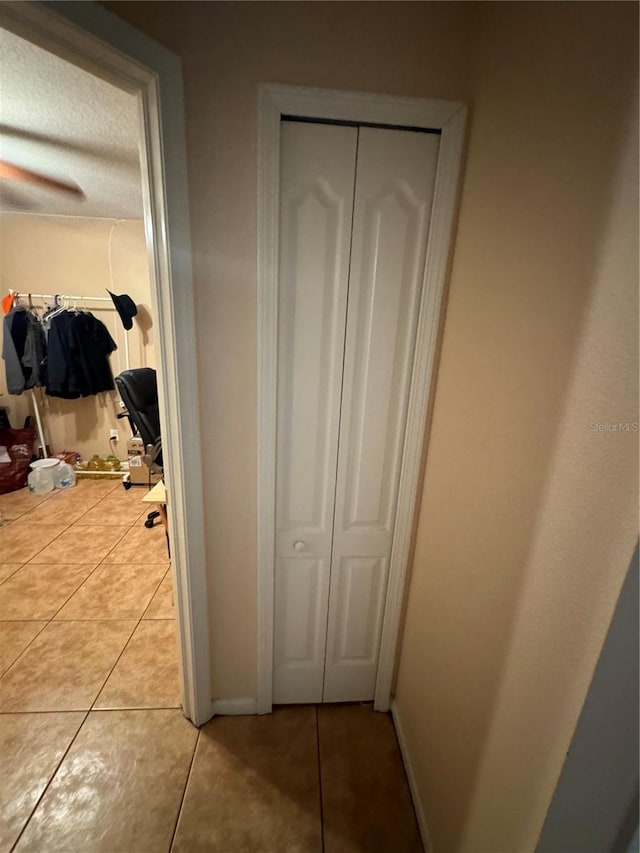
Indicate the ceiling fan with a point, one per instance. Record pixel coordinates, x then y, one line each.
18 174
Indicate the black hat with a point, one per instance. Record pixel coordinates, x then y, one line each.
126 308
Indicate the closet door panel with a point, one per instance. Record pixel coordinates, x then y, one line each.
316 205
394 189
300 639
359 595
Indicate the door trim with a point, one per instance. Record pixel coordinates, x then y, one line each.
448 117
94 39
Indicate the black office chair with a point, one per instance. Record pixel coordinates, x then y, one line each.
138 390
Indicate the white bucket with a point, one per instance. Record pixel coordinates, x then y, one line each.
45 469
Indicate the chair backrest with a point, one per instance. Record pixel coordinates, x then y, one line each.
139 391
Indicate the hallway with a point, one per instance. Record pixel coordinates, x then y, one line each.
303 779
95 754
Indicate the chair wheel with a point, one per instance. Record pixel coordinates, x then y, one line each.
149 523
126 484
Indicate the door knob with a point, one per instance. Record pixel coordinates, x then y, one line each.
299 546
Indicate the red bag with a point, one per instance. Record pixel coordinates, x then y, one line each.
19 444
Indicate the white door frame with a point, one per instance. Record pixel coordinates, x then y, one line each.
94 39
448 117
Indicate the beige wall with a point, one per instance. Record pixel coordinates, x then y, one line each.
528 518
52 254
226 50
523 539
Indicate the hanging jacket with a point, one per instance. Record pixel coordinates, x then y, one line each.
62 374
34 358
14 335
92 345
78 356
23 350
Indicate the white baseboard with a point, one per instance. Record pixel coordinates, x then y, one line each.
413 787
235 707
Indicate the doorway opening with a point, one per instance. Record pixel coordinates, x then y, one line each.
92 41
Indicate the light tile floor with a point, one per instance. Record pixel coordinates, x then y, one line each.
95 755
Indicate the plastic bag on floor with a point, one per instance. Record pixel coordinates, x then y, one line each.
19 444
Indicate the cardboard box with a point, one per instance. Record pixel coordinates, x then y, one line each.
139 473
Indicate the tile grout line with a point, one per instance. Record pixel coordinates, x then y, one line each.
319 780
47 622
95 710
32 640
55 538
156 619
139 619
50 495
53 775
29 563
93 571
124 648
137 625
100 562
102 686
184 793
51 619
14 572
91 708
26 511
97 619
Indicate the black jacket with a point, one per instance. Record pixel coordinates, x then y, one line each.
78 357
23 350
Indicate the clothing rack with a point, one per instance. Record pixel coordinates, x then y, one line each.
69 298
65 297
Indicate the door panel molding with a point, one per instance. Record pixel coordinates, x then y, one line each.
448 118
317 186
354 630
385 285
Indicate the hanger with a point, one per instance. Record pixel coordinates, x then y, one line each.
32 307
73 309
52 307
57 309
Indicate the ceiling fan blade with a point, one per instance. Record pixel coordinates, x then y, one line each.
17 173
11 198
99 150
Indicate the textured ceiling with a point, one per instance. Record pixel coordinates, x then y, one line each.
64 122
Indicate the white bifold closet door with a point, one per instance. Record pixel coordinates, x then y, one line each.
354 215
